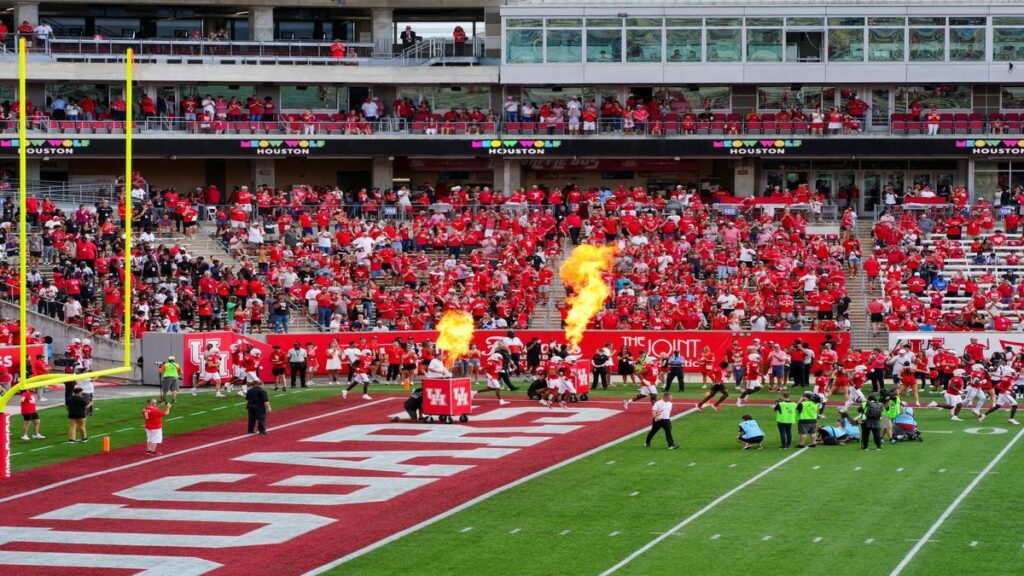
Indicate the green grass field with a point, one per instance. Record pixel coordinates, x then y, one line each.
830 508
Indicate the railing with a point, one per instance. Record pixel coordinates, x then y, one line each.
200 51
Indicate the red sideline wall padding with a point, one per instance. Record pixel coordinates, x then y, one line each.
690 343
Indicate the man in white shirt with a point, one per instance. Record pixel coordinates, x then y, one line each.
437 369
661 413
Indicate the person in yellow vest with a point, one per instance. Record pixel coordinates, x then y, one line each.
785 417
170 375
807 420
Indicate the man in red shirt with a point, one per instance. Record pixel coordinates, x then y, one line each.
975 350
154 424
30 414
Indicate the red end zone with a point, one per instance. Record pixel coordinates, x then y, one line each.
330 479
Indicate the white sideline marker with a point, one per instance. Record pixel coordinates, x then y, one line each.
818 539
766 538
651 463
716 536
466 529
634 493
941 470
816 468
732 465
974 543
122 430
614 534
869 540
175 418
198 413
41 448
856 468
691 464
611 462
218 408
564 532
515 531
899 469
700 512
954 505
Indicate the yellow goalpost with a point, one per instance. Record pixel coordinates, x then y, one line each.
39 381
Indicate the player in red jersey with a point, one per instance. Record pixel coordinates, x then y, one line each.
238 356
649 374
553 378
752 376
1004 397
979 388
360 367
952 395
251 365
718 375
492 366
854 395
211 370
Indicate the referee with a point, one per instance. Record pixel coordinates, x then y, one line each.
662 420
298 360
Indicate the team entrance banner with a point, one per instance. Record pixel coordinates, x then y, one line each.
689 343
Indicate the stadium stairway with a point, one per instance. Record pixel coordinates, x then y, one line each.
861 336
547 317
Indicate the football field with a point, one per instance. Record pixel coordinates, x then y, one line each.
517 490
945 505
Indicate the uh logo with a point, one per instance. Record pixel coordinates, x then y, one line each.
197 353
437 397
461 397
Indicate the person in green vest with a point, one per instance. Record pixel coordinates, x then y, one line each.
785 417
807 420
893 406
170 374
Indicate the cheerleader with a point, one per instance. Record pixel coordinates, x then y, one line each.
334 360
312 361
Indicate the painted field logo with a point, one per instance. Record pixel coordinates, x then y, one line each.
56 147
282 147
992 147
516 147
756 147
437 397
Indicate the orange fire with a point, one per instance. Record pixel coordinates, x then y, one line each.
455 334
581 273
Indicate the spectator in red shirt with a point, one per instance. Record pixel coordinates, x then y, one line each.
153 421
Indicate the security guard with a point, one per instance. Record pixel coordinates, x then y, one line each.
785 417
807 420
170 373
257 403
675 370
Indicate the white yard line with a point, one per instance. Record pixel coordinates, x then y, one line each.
954 505
182 452
478 499
700 513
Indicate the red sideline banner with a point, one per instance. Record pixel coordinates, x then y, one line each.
689 343
5 446
10 356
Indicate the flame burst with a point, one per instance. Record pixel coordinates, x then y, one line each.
455 334
582 274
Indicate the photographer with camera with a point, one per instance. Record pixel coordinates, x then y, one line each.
871 422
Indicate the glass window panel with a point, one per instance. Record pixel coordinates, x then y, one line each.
683 22
944 96
967 44
312 97
565 22
681 99
887 21
723 45
1007 44
885 44
1013 98
683 45
604 46
724 22
523 23
604 22
764 45
98 92
643 22
565 46
643 45
805 22
524 46
468 97
776 97
178 27
967 21
927 44
927 21
764 21
295 30
846 44
540 94
1008 20
846 21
